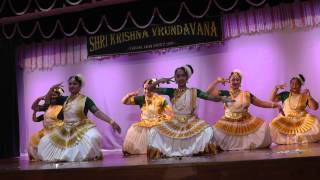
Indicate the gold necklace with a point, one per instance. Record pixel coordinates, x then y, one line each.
297 104
150 101
234 93
177 94
69 100
146 111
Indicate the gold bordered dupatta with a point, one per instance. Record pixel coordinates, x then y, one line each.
239 123
184 126
68 136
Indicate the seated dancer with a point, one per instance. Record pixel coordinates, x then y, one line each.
51 118
154 110
186 134
238 129
78 139
296 125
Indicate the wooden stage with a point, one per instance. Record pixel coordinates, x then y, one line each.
279 162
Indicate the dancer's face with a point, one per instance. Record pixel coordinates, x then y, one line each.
146 91
235 81
295 85
54 95
181 77
74 86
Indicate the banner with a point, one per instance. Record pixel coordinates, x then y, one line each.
159 36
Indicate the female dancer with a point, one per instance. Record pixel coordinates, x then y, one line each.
238 129
51 119
296 125
78 139
186 134
154 110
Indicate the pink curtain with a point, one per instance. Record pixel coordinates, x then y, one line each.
44 56
296 16
285 17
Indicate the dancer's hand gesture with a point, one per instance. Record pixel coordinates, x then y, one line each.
281 86
166 80
222 80
116 127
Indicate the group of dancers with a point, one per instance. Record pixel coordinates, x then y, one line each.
165 131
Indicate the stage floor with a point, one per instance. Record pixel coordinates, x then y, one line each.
278 162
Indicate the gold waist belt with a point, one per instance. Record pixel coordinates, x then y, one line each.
296 114
236 116
183 118
72 124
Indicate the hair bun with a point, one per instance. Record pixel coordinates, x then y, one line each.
59 90
150 81
188 65
80 77
188 69
236 71
302 78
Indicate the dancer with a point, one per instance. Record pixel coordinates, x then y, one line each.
51 119
154 110
297 125
186 134
78 139
238 129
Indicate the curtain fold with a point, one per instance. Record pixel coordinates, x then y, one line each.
285 17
